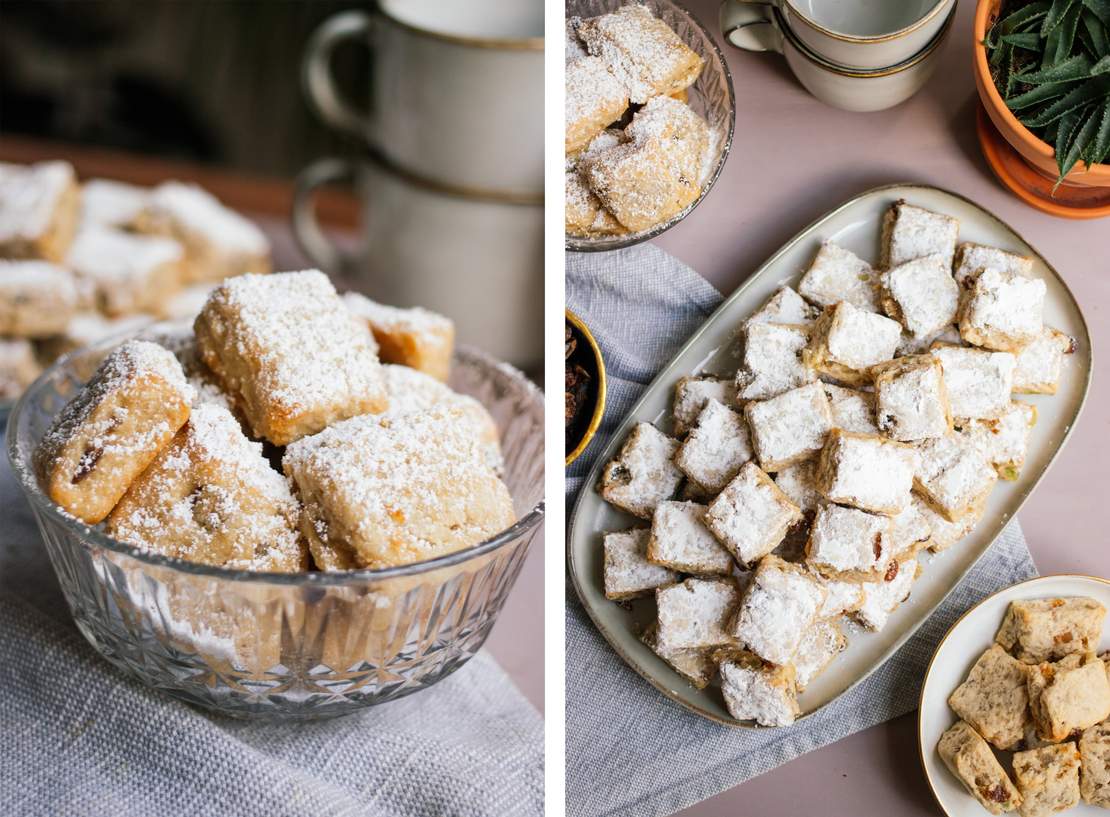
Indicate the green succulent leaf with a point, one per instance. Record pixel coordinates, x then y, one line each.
1056 14
1101 67
1001 55
1100 146
1096 32
1042 93
1069 70
1048 58
1066 41
1078 142
1031 12
1089 91
1029 40
1101 9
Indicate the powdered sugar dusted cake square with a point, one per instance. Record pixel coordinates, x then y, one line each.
1004 439
847 342
692 393
978 382
380 491
848 544
714 451
1038 630
1039 363
628 573
639 183
1003 310
288 350
37 298
109 203
944 533
38 210
113 429
971 259
909 531
971 760
683 134
1048 779
836 275
128 272
681 541
18 366
772 361
411 391
911 232
881 598
780 605
212 498
785 306
912 399
789 428
595 98
820 645
866 471
751 515
696 666
993 698
643 474
922 295
758 691
413 337
852 410
799 483
841 597
952 475
694 614
218 241
642 51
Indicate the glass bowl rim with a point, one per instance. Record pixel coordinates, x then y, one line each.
573 243
28 482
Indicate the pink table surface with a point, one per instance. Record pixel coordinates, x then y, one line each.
793 159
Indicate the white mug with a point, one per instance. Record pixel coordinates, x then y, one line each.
456 89
853 34
850 89
477 261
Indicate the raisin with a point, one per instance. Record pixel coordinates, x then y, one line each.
89 458
891 572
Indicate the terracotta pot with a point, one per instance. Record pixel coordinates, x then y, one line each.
1037 153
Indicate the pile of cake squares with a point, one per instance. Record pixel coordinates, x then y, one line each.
82 262
636 153
871 416
271 436
1041 692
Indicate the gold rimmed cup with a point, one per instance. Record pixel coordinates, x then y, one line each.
597 392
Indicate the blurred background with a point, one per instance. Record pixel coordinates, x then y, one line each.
215 81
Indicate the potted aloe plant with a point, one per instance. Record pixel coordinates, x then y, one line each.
1042 68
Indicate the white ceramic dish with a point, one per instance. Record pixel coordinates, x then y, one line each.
854 224
850 89
958 650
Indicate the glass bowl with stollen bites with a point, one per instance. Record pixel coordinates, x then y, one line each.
298 506
650 112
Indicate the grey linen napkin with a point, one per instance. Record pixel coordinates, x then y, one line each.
79 738
629 749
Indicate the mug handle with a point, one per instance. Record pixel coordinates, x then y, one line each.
306 229
750 25
316 76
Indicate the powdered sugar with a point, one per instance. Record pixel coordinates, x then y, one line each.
881 598
790 427
773 361
30 196
627 571
764 694
848 541
680 540
978 382
780 605
925 293
199 212
110 203
751 515
716 448
694 614
837 274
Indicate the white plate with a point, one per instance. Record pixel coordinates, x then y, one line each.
855 225
958 650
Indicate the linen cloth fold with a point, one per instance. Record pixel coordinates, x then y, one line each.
630 751
79 738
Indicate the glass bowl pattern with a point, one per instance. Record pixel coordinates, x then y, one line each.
303 646
711 96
